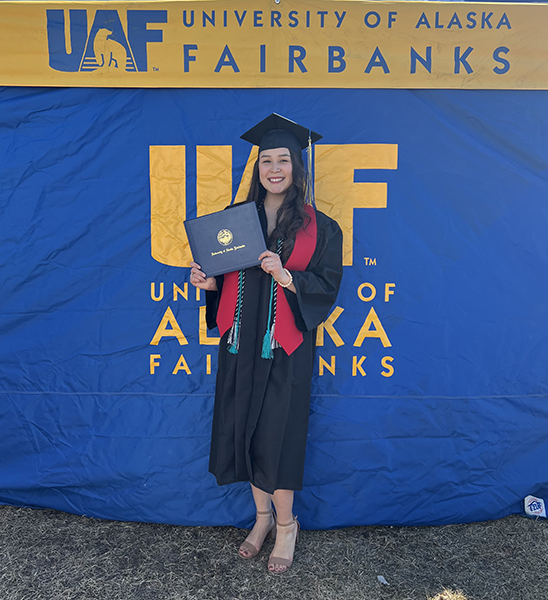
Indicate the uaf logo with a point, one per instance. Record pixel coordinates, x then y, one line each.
106 45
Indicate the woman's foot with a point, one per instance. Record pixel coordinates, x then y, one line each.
265 525
287 535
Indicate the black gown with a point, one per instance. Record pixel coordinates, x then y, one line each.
260 417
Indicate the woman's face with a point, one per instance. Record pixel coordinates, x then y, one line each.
276 170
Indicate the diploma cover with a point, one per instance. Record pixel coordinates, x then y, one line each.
228 240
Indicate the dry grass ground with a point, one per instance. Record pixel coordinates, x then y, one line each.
49 555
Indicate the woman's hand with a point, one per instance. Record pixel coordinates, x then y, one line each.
199 280
271 264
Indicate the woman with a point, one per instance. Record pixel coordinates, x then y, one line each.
267 317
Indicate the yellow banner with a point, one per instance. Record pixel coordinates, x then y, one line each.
290 43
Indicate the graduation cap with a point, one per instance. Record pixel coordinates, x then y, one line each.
278 132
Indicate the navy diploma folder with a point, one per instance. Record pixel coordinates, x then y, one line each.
228 240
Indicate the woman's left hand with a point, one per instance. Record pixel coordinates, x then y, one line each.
271 263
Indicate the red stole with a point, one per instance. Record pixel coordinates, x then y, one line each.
285 330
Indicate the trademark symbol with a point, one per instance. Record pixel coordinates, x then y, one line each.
155 69
370 261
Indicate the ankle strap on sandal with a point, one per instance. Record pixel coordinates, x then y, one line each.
288 524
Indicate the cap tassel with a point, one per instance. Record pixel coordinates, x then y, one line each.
309 191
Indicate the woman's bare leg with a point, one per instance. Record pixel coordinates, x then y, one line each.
263 504
285 536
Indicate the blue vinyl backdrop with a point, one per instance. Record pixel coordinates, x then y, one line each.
456 434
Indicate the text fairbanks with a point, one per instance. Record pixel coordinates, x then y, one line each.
336 60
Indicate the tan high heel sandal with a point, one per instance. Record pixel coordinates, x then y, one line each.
248 546
274 561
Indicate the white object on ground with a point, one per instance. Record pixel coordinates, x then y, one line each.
534 507
382 580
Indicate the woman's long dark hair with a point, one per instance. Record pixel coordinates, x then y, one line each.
291 214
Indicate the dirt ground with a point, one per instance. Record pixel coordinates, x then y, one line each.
50 555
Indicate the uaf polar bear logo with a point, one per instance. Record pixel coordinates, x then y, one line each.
107 45
109 54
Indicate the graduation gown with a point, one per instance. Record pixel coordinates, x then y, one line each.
260 416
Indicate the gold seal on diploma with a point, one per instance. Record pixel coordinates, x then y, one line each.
225 237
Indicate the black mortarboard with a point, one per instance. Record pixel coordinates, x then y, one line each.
278 132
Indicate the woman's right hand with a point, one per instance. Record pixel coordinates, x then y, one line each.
199 280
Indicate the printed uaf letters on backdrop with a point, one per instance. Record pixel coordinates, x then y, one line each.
106 47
